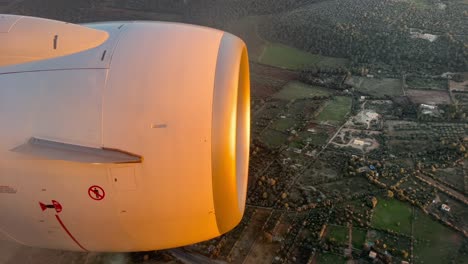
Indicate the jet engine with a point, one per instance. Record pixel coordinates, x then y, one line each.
121 136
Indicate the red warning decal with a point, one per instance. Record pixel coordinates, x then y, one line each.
96 192
58 207
55 205
69 233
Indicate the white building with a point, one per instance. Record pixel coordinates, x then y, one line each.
426 106
359 142
445 207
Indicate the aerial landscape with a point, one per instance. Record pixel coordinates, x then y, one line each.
359 128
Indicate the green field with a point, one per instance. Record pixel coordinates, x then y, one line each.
298 90
315 139
393 215
376 87
462 257
329 258
273 138
287 57
336 110
434 241
318 139
359 237
421 83
283 124
338 234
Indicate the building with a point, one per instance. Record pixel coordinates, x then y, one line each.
372 254
363 169
371 115
297 151
445 207
429 107
425 36
359 142
429 110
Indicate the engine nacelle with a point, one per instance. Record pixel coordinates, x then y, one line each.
121 136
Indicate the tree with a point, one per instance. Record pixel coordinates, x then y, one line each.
390 194
374 202
405 254
462 148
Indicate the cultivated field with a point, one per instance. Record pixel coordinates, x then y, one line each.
376 87
273 138
453 176
330 258
393 215
434 241
336 110
266 80
318 139
298 90
429 84
428 96
359 237
283 124
284 56
338 234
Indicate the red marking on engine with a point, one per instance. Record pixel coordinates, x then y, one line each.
55 205
43 206
68 232
58 207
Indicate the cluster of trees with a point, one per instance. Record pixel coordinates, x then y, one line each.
368 32
66 10
454 112
172 6
404 108
220 13
373 31
443 154
332 78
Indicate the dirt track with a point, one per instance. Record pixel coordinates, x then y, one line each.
443 188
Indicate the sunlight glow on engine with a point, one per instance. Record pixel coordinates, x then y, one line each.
233 132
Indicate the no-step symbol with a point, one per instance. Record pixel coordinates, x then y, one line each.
96 193
55 205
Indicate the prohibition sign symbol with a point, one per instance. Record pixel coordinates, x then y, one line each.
96 193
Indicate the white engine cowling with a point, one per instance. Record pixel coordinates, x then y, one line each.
126 136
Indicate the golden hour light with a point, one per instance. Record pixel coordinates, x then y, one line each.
234 131
114 119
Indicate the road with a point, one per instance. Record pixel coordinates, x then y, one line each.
443 188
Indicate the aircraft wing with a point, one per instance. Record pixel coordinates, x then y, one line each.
53 150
